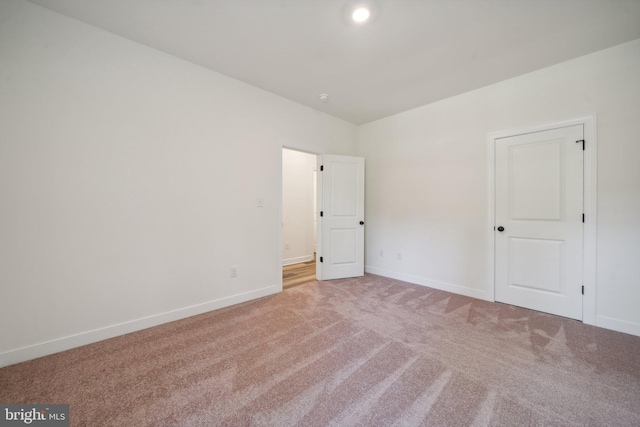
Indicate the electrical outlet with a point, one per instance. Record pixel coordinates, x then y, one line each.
260 203
234 271
381 252
399 256
286 245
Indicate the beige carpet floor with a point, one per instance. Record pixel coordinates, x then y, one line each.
360 352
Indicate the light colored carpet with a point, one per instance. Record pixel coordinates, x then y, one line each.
360 352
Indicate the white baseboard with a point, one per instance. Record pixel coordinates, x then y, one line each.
297 260
618 325
54 346
456 289
601 321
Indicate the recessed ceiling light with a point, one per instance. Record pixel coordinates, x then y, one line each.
361 14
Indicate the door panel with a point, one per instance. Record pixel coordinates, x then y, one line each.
539 202
344 245
546 273
540 198
344 188
342 206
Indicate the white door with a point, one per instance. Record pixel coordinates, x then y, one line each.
539 221
341 223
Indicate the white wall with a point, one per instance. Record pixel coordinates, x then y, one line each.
427 178
129 182
297 206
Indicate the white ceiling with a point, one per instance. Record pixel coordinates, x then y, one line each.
413 52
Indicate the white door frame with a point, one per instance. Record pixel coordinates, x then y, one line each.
590 211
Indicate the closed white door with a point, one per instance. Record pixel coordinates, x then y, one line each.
539 220
341 222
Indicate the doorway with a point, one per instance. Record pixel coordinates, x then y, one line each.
299 217
338 215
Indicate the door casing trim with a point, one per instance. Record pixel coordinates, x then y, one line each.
590 207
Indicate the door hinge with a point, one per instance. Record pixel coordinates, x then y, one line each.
321 259
581 140
582 289
321 213
582 217
321 168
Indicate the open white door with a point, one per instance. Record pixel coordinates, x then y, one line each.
539 220
340 242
